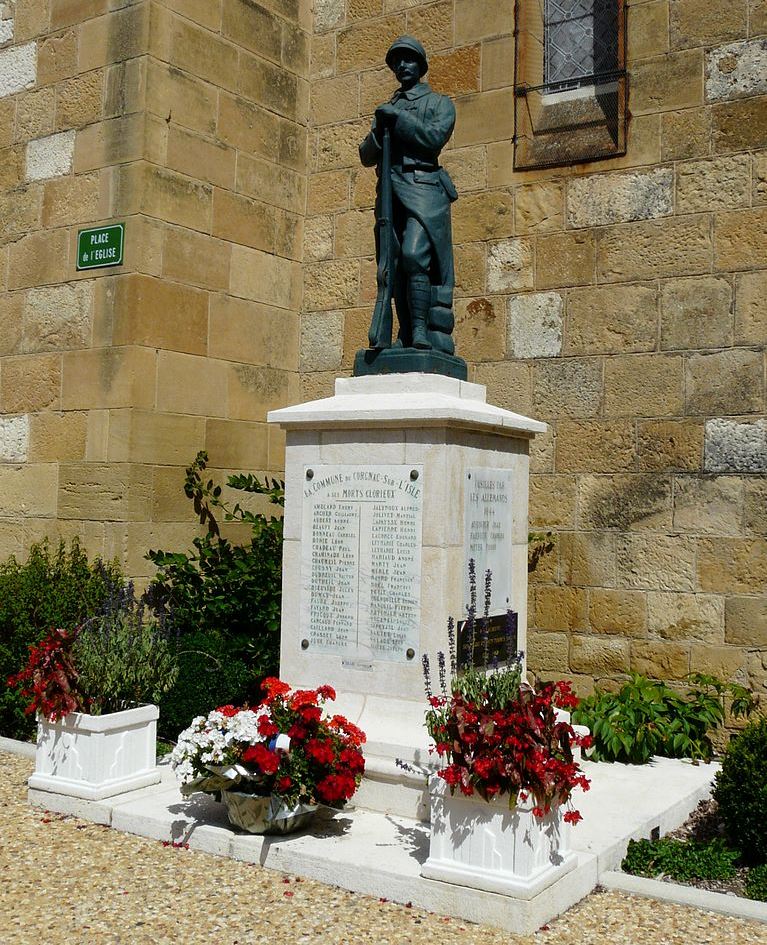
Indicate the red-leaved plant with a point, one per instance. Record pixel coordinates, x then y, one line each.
516 748
49 680
497 735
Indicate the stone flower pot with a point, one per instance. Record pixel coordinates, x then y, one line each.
97 756
487 846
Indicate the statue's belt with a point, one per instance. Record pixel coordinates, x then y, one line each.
406 166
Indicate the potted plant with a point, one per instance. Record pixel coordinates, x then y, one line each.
501 800
93 689
273 765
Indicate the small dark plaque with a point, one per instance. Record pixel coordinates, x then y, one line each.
502 638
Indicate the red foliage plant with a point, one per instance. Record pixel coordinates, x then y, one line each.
516 747
49 680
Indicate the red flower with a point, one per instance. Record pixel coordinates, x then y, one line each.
483 767
451 774
327 692
303 697
352 759
310 713
572 817
335 788
227 710
260 756
340 724
266 727
283 784
320 751
274 687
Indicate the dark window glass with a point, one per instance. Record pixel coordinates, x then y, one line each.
581 41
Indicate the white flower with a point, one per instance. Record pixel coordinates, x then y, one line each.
215 739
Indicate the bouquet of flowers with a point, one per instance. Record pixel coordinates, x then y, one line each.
286 749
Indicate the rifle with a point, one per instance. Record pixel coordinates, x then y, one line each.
380 332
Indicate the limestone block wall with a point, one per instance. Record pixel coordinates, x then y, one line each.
186 119
622 301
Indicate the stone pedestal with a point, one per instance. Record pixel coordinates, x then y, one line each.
391 485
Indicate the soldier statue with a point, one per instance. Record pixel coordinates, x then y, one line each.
413 234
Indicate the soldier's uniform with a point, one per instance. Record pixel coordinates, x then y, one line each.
422 193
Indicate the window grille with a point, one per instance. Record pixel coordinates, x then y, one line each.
570 81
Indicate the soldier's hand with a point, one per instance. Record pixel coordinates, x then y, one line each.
386 115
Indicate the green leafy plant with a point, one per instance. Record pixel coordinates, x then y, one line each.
741 791
681 860
211 671
647 718
221 585
54 587
113 661
224 599
124 656
756 883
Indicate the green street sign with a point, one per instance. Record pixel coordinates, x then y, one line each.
100 246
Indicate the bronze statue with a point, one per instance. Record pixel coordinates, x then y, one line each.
414 244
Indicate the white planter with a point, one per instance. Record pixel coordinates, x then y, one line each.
487 846
97 756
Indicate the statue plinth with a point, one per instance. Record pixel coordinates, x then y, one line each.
369 361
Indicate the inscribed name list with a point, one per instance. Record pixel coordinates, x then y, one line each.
487 533
361 560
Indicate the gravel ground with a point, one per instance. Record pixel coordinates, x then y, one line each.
63 880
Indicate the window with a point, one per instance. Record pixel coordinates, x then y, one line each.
570 82
580 41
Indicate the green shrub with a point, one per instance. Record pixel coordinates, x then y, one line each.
223 588
52 588
646 718
123 656
741 791
679 859
756 883
211 672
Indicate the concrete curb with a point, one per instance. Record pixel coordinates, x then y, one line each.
15 747
685 895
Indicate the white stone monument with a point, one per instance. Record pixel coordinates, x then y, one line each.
391 486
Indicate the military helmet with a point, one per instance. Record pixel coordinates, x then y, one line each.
412 45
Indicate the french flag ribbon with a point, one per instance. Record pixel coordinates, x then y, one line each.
280 743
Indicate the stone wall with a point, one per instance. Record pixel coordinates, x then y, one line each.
186 119
622 301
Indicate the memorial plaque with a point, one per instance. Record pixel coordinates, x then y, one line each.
361 561
494 642
487 533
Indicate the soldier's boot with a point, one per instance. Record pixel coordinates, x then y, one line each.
419 300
